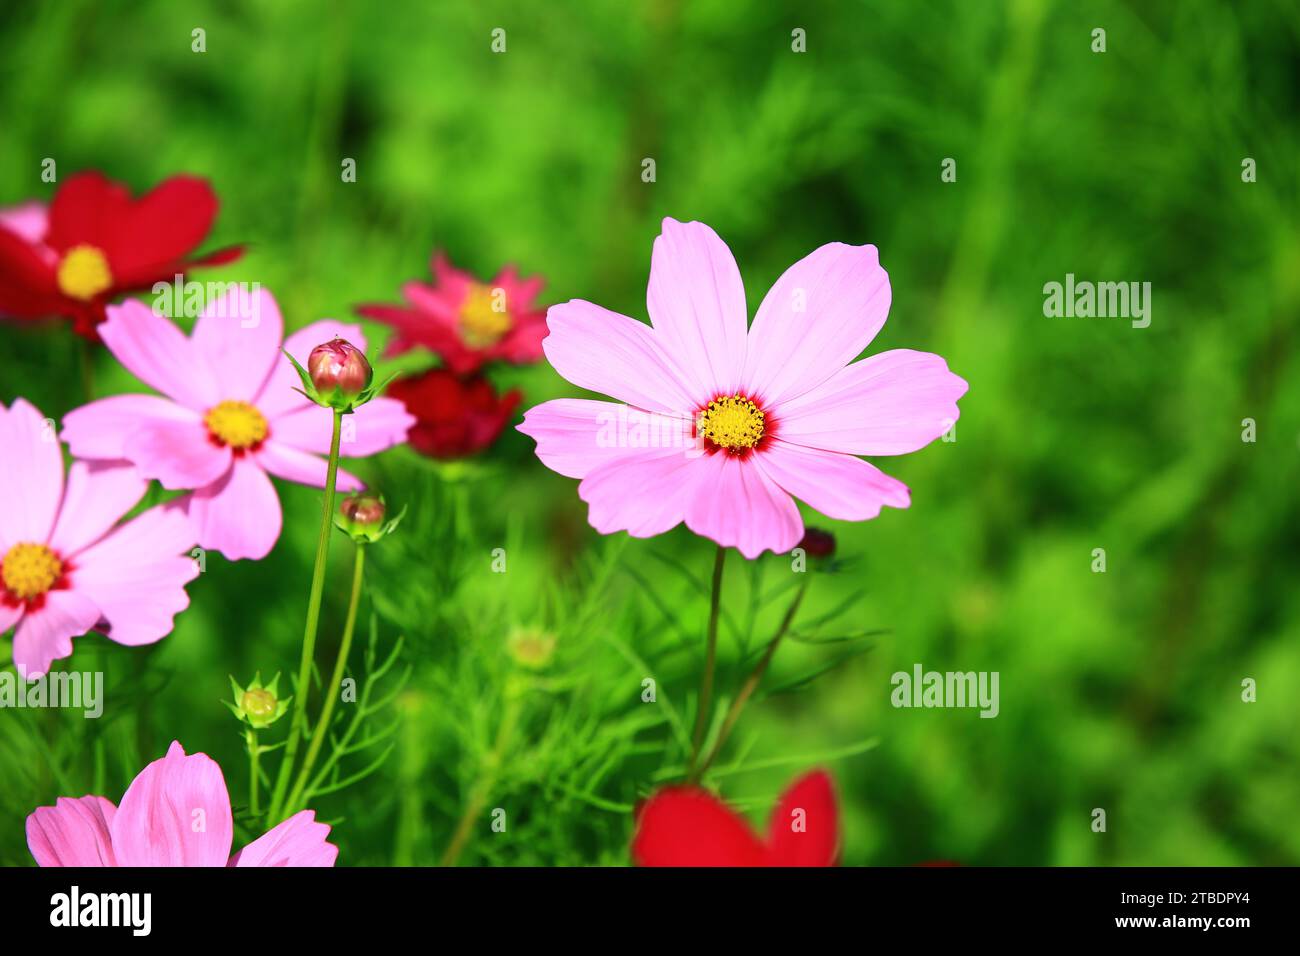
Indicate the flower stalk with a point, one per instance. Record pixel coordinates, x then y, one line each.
310 627
254 752
710 664
482 788
298 793
752 682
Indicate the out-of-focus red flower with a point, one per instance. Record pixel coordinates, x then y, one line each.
817 543
455 416
688 826
95 243
465 322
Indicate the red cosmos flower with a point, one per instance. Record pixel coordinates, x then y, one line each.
687 826
95 243
467 323
454 416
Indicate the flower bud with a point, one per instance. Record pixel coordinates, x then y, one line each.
339 372
258 705
361 516
817 543
531 649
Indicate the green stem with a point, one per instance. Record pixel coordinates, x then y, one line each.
710 663
751 682
250 737
299 722
483 786
88 368
298 792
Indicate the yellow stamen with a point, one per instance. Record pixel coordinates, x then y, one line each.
482 323
237 424
83 273
29 570
732 422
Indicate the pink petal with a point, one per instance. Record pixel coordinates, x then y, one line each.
239 336
31 478
451 281
278 396
887 404
98 493
180 455
30 220
73 832
643 494
576 435
738 506
175 813
377 425
44 635
522 345
239 515
158 353
137 574
436 306
697 304
617 356
292 464
100 429
839 486
10 614
298 841
823 311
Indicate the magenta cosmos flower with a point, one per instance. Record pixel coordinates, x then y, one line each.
466 322
725 425
66 566
175 813
230 415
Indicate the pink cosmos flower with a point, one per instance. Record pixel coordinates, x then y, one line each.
175 813
771 412
465 322
230 414
66 566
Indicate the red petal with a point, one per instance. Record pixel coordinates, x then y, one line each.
810 837
27 286
454 416
160 229
167 271
685 826
218 258
85 210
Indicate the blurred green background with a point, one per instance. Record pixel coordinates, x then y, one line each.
1119 691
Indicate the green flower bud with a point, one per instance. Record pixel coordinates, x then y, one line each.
531 649
258 705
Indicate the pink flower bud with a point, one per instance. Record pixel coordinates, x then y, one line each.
362 516
363 510
338 367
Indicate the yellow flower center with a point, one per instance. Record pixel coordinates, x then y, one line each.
237 424
732 422
29 570
83 273
481 322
